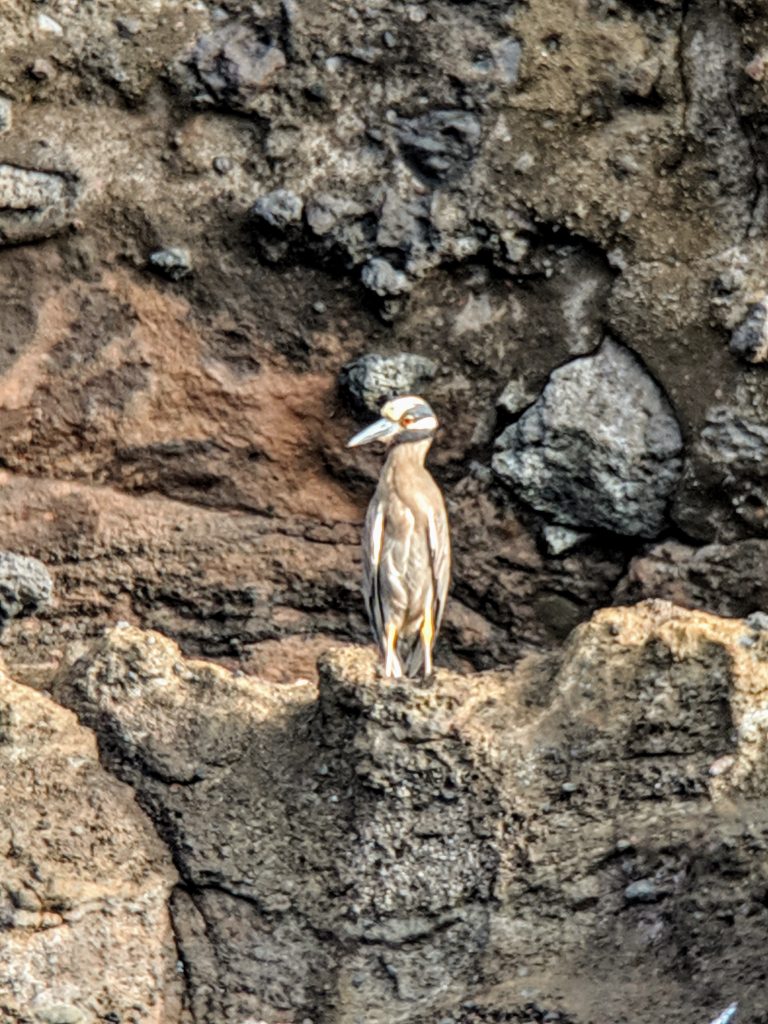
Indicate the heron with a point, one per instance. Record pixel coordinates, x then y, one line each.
406 541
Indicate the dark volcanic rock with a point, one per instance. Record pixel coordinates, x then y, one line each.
439 145
236 62
599 449
370 379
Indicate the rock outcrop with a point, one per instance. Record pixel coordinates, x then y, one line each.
84 901
599 449
586 831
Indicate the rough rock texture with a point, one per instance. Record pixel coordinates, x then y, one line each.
86 930
599 449
583 835
492 187
496 187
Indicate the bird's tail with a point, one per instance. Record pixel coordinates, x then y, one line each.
411 655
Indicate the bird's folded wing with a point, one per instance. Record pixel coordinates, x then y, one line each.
440 555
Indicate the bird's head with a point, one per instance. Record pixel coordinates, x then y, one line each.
408 418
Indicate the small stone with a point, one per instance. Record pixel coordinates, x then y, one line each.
560 539
278 209
370 379
41 70
25 586
319 307
379 276
721 765
506 56
49 25
222 164
235 64
516 397
758 621
750 339
416 13
524 163
389 40
6 115
756 68
127 27
440 145
174 263
644 890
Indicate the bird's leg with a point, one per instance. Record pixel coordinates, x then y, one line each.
427 633
392 667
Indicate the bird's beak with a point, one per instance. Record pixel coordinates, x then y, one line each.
381 430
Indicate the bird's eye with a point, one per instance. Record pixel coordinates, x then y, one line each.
407 420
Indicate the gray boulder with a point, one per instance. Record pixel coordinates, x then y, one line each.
600 449
368 380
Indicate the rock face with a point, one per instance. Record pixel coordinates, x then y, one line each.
86 930
229 203
599 449
516 844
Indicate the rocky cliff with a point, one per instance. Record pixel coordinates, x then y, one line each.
583 839
226 230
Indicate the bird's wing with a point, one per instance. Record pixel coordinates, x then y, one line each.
373 536
440 554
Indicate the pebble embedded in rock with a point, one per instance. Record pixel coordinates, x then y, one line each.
758 621
379 276
34 204
370 379
599 449
439 145
6 117
560 539
750 339
236 63
516 397
174 263
642 891
222 164
278 209
506 55
25 586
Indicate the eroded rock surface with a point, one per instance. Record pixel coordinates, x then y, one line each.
499 844
86 929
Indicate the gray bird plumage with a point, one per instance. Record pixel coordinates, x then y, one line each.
406 542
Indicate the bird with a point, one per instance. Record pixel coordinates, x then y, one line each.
406 540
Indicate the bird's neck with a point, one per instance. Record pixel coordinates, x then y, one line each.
409 453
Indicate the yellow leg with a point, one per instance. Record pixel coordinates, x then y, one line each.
392 668
427 639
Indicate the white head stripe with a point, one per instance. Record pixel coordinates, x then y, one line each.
396 408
